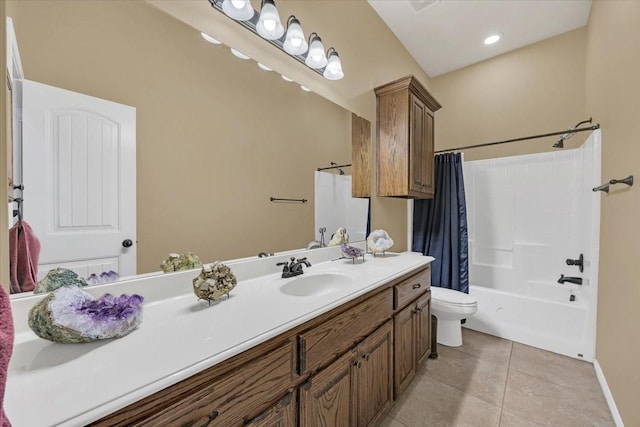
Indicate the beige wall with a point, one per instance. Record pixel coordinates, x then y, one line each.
533 90
613 96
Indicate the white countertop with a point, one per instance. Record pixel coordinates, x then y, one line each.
75 384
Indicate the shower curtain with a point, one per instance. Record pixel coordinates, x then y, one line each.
440 225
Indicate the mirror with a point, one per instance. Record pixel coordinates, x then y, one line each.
216 136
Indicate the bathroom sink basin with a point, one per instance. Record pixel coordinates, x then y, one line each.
316 285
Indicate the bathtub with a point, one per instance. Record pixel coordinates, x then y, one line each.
544 317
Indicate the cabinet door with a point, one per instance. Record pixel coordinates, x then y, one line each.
282 414
328 398
428 166
375 376
423 330
417 138
404 328
421 148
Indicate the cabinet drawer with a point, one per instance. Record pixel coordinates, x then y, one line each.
230 399
282 414
326 342
410 289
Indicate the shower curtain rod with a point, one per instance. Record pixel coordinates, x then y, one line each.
562 132
334 167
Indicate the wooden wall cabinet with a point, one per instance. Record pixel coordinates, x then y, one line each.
361 156
405 139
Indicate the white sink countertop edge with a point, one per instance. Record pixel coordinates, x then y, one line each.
75 384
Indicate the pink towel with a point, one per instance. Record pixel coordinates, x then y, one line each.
6 348
24 249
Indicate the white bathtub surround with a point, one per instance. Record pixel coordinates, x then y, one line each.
527 215
334 207
178 337
450 307
607 394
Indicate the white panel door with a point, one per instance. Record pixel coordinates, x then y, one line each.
79 174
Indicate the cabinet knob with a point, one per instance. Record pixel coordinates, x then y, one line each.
419 310
366 356
212 416
357 363
417 286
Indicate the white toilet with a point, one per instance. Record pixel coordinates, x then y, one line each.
450 307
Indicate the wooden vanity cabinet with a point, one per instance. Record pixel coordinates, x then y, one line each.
405 139
282 414
356 389
412 328
374 376
343 368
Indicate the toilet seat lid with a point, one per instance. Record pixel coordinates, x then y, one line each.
449 296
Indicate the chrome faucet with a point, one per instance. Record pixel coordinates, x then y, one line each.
293 268
574 280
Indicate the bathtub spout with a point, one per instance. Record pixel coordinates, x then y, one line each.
574 280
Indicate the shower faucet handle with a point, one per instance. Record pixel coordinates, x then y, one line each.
577 262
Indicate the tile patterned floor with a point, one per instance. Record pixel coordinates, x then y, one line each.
494 382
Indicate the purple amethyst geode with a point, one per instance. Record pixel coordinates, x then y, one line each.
351 251
71 315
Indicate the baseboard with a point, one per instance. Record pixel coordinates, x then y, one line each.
607 394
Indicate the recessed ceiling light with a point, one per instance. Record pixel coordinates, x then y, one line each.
264 67
210 39
286 79
493 38
304 88
239 54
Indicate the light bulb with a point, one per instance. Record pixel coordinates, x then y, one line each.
240 10
210 39
316 57
334 66
239 54
294 42
493 38
269 25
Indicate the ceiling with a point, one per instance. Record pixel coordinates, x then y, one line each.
445 35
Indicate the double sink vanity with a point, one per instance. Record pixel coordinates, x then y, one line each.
333 346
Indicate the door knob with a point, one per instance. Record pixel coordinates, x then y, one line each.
127 243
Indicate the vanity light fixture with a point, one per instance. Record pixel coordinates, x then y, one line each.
493 38
285 78
316 57
264 67
239 54
333 70
239 10
269 25
295 42
210 39
309 51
